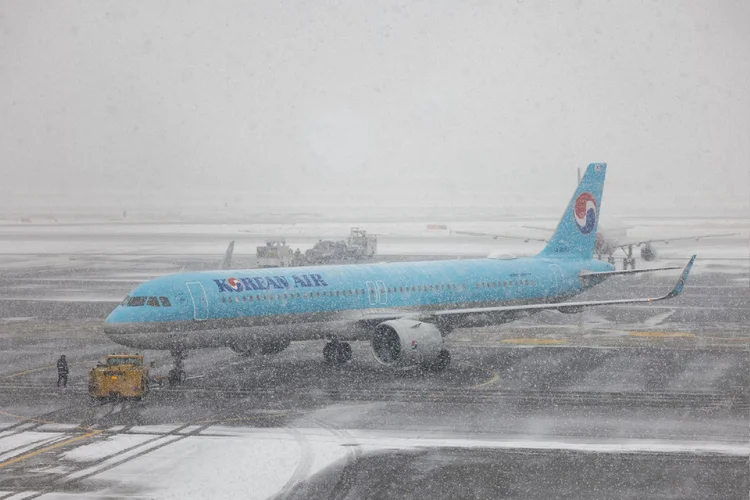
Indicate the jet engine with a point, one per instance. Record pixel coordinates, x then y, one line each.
648 253
404 343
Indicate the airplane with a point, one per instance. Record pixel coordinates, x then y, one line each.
608 241
404 309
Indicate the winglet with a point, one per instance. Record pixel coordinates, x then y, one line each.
677 290
226 262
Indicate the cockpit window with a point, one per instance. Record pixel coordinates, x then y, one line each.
165 302
152 301
125 301
136 301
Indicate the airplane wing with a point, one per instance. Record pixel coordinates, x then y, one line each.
592 274
447 314
623 245
496 236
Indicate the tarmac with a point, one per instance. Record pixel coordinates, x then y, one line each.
619 402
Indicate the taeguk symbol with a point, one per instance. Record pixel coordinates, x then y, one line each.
584 212
235 284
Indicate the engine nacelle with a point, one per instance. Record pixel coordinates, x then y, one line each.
267 346
570 309
406 342
648 253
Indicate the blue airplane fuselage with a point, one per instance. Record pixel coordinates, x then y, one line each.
215 308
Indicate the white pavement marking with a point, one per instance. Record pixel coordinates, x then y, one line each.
22 495
153 429
17 443
119 458
189 429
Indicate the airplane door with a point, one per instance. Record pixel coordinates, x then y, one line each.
557 272
200 303
382 292
372 293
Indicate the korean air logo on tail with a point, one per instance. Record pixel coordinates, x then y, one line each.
584 212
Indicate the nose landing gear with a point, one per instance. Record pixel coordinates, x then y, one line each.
177 374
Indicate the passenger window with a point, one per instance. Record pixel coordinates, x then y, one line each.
165 302
136 301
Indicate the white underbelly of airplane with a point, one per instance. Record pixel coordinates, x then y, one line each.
208 335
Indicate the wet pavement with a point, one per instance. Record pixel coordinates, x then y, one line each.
626 402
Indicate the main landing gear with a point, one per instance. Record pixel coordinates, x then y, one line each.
336 352
177 374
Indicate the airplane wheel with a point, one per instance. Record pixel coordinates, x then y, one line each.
337 352
177 377
328 352
442 361
344 352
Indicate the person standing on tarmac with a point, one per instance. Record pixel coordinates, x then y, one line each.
62 371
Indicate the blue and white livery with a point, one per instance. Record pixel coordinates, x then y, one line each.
403 309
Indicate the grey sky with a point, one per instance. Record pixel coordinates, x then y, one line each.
412 103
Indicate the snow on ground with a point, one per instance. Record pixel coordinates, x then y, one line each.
257 463
15 444
110 446
244 467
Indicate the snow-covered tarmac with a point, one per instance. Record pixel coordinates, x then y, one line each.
637 401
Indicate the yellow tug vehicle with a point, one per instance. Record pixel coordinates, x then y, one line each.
121 376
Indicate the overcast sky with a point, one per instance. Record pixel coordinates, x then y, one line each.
373 102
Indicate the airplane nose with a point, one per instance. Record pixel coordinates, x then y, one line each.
116 324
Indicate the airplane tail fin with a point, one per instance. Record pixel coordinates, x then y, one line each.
575 236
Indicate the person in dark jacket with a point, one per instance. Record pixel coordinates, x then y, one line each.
62 371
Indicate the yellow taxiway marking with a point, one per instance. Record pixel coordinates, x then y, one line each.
494 378
662 334
21 417
34 453
33 370
535 341
41 368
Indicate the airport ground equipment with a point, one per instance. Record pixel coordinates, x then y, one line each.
359 246
119 376
275 253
